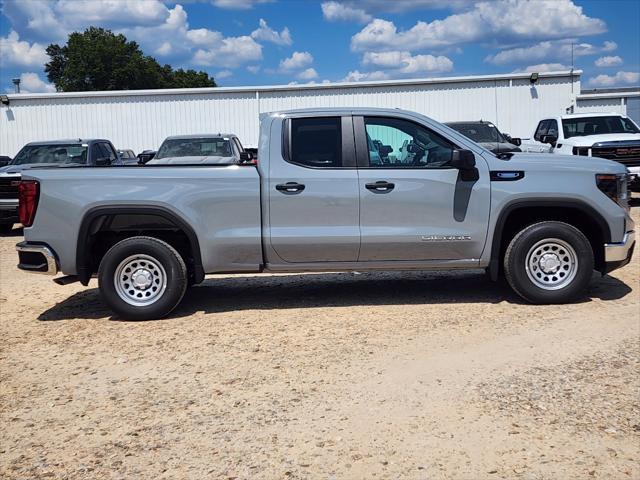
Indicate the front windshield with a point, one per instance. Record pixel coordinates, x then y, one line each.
479 132
579 127
60 154
194 147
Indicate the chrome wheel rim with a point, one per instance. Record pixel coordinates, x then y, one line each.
140 280
551 264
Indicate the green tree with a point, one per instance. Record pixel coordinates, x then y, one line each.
98 59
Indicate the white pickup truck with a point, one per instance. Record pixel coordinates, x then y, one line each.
605 135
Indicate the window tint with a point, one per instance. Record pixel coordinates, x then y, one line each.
194 147
32 154
316 142
96 152
552 128
542 129
397 143
576 127
107 151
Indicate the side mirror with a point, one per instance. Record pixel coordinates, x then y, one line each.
103 162
463 159
144 157
516 141
245 157
551 139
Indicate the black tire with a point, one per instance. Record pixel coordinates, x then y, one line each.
155 256
6 228
569 282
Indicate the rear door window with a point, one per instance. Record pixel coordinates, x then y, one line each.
316 142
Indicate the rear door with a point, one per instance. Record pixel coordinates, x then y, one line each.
413 205
313 191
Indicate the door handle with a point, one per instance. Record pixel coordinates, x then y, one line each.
290 188
380 186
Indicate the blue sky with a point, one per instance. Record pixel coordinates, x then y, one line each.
266 42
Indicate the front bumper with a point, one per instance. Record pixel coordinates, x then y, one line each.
617 255
36 258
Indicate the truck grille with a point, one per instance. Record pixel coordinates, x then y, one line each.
9 188
627 155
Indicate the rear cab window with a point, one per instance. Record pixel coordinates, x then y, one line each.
314 142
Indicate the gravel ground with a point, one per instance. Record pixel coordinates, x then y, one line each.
375 375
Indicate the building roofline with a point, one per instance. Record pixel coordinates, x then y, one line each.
596 95
271 88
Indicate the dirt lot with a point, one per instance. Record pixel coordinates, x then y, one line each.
382 375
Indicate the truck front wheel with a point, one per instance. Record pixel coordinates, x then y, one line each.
142 278
549 262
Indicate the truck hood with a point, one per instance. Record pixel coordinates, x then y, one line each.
589 140
552 162
208 160
500 147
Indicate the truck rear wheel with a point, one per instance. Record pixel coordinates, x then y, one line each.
549 262
142 278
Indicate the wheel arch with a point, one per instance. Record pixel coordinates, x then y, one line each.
520 213
132 220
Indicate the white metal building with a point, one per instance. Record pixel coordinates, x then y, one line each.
142 119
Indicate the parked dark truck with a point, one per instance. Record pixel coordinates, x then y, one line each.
333 189
94 152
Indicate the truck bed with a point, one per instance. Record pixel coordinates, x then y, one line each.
220 203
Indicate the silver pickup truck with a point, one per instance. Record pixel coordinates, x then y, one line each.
333 190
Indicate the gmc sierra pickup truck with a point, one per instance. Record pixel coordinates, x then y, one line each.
333 190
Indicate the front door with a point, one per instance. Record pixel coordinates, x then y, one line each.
413 205
313 192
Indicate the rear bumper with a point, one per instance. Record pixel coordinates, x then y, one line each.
617 255
36 258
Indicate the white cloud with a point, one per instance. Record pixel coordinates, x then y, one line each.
308 74
548 51
54 20
31 83
608 61
357 76
203 37
297 61
238 4
35 18
543 67
160 31
16 52
400 6
620 78
116 13
508 22
253 69
405 63
231 52
337 12
267 34
223 74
